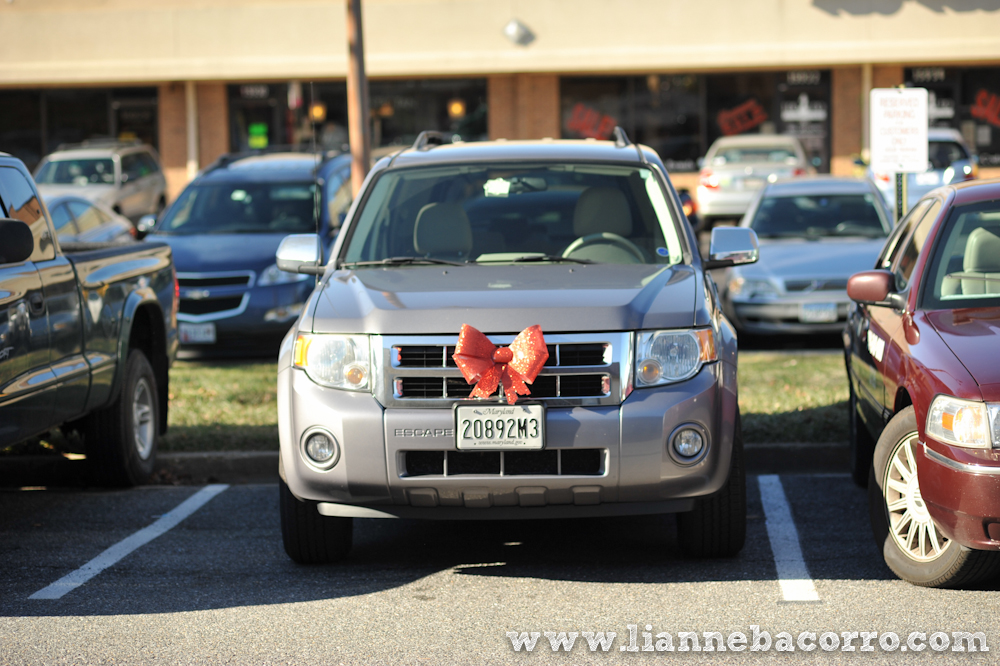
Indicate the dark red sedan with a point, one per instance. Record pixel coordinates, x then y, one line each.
922 347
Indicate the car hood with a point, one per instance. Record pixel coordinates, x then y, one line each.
973 335
795 258
200 253
101 193
507 299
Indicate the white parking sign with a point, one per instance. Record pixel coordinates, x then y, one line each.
899 130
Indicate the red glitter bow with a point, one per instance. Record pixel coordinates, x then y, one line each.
483 362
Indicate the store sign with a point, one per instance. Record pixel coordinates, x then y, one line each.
741 118
987 107
899 129
591 123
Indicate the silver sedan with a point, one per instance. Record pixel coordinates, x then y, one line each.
814 234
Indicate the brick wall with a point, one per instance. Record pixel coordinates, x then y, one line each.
213 122
845 116
173 137
523 106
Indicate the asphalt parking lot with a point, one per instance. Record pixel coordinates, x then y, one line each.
215 586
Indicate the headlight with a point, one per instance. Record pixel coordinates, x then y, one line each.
967 423
664 357
274 275
337 361
745 288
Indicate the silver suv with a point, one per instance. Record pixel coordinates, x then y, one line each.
126 177
463 270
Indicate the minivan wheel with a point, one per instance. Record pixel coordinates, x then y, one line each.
717 526
905 534
310 537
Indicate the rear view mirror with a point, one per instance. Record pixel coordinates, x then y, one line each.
875 288
18 241
145 224
299 253
732 246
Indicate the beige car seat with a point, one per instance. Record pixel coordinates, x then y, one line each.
442 230
982 260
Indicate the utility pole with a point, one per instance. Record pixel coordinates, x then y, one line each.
357 98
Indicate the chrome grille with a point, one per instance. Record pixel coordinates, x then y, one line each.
583 369
815 285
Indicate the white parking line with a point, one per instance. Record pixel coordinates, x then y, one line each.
793 574
116 552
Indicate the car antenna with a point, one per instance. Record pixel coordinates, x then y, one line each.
316 183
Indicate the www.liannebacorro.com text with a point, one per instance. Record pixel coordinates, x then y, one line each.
637 638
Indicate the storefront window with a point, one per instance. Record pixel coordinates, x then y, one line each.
967 99
680 116
263 115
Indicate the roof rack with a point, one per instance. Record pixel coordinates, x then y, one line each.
622 141
429 138
229 158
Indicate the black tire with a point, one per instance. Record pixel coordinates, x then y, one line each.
310 537
717 527
862 444
950 565
121 440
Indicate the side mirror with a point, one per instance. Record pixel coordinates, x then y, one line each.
732 246
145 224
875 288
299 253
18 241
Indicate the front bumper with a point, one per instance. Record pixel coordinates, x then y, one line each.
784 315
961 489
637 475
724 203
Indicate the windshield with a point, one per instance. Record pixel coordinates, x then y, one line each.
820 215
240 208
942 154
965 269
77 172
587 213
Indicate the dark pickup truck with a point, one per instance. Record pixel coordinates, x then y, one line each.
87 336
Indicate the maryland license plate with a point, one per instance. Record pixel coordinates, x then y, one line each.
498 427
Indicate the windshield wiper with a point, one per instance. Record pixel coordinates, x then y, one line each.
549 257
401 261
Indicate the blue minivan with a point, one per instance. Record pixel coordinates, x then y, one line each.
224 230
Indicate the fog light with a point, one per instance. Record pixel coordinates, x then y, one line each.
688 443
321 449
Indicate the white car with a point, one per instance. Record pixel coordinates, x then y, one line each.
126 177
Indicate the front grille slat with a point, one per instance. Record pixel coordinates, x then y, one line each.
582 369
546 462
192 306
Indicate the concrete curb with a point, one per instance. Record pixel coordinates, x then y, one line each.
240 467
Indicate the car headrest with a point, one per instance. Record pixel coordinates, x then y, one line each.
442 228
602 209
982 251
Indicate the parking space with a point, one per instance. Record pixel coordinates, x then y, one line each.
218 582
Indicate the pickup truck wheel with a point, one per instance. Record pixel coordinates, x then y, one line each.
717 526
309 536
862 444
904 531
121 439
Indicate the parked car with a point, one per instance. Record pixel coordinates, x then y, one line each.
815 232
949 160
86 337
735 167
224 229
79 220
921 354
581 246
126 177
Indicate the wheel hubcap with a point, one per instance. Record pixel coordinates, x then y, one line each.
910 524
143 426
